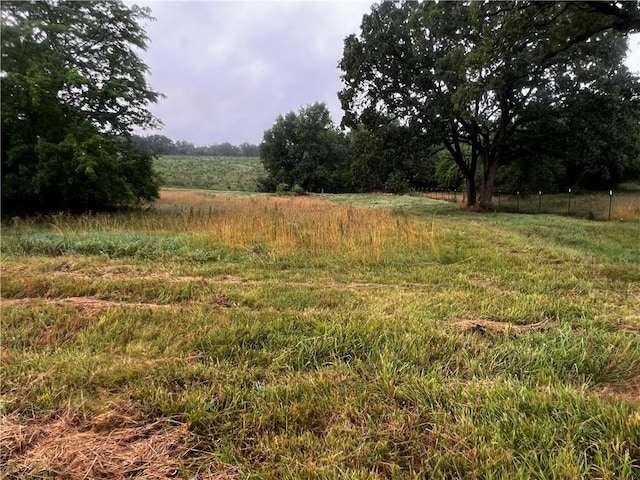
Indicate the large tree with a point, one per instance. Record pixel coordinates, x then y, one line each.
306 149
471 76
73 89
390 158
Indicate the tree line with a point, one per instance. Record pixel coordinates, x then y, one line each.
469 94
162 145
474 95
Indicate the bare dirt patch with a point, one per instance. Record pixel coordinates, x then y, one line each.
624 390
88 303
484 326
96 304
628 328
113 445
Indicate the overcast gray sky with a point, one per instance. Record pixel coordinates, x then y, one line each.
229 68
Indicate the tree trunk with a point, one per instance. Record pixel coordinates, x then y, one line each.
485 202
468 170
493 155
471 199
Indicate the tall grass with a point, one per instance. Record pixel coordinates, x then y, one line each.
319 337
258 225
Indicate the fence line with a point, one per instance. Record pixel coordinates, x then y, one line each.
610 205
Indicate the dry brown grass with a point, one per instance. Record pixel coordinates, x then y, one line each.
96 304
627 208
169 198
483 326
259 224
287 224
114 445
628 390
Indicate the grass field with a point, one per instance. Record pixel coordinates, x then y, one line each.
619 205
210 173
241 174
358 336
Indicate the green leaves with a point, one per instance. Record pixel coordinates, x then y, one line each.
304 149
72 83
478 74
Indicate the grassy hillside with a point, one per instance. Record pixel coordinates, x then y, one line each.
355 336
211 173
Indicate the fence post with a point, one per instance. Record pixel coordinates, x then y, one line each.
518 202
539 200
610 202
569 208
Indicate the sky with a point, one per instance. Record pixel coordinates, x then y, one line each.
228 69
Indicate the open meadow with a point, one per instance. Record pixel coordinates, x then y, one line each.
220 336
210 173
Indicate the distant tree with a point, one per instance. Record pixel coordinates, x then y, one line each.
182 147
227 150
306 149
73 89
249 150
447 175
155 144
480 73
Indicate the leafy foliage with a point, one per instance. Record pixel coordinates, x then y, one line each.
393 158
483 74
306 149
73 88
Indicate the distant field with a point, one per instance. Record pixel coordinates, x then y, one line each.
249 336
211 173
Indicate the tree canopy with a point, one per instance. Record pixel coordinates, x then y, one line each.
305 149
73 89
480 78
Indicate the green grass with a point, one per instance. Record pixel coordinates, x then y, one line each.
321 338
210 173
624 204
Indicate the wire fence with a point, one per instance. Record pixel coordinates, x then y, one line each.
610 205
